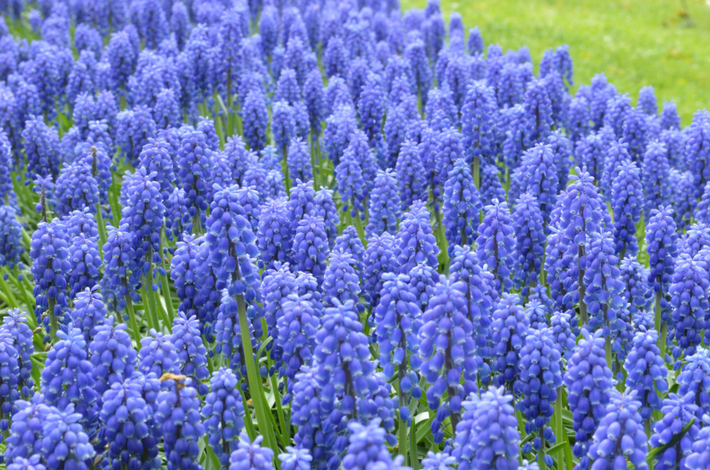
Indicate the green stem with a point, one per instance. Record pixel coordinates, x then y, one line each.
166 283
135 331
413 457
541 453
358 226
253 378
149 305
402 445
53 323
477 172
11 300
664 336
285 427
607 351
559 433
248 424
102 229
657 310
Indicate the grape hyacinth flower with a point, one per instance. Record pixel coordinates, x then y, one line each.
85 264
274 233
539 173
121 272
157 355
67 376
461 206
627 196
589 385
15 326
619 439
655 176
646 373
410 175
298 326
540 377
223 413
195 175
250 455
178 415
562 333
191 351
398 320
384 207
125 416
662 247
48 251
65 444
310 247
11 238
496 245
689 299
326 209
184 268
677 411
368 448
530 241
488 436
447 332
112 356
415 242
379 259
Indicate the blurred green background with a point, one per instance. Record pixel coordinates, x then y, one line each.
664 43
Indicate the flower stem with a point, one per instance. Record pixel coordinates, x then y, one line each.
53 323
541 453
166 281
135 332
102 229
11 300
413 457
559 433
253 378
285 427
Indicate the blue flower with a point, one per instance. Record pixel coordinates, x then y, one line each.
368 448
562 333
646 372
26 434
384 207
310 246
379 259
689 299
295 459
65 444
637 291
397 124
398 320
496 245
274 235
184 271
590 154
461 206
178 415
41 144
191 351
694 379
447 332
627 195
122 270
324 207
448 150
195 175
255 119
223 414
158 355
125 416
478 119
589 387
302 201
635 133
10 238
67 376
530 240
662 247
49 254
480 293
299 160
540 377
85 264
655 176
487 437
491 188
410 175
539 173
415 242
298 326
251 455
677 411
620 437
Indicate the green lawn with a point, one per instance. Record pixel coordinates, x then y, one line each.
634 42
